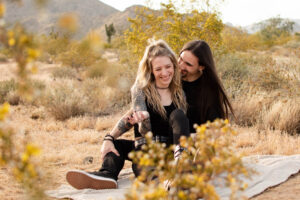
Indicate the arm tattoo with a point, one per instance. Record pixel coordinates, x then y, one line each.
145 127
139 104
122 126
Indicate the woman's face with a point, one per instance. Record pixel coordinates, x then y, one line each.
189 66
163 71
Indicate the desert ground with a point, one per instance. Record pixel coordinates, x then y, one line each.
66 144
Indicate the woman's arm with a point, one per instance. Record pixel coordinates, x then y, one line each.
121 127
139 104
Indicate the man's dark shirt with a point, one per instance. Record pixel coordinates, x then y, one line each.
197 113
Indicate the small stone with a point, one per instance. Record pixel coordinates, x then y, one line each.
88 160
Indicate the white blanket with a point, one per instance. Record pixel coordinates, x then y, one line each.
272 170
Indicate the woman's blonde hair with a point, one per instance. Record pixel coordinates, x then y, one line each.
146 82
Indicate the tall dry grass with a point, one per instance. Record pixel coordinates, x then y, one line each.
265 89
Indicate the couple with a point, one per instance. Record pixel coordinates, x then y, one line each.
164 104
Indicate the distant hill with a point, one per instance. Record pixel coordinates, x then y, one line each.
119 19
91 14
253 28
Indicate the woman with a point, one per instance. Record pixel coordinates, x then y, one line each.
159 106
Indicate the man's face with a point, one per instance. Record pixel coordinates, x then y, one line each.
189 66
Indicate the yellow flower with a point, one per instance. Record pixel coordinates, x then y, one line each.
34 69
201 129
182 195
11 42
32 150
2 161
33 53
2 9
25 157
4 110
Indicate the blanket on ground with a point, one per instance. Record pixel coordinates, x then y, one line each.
271 171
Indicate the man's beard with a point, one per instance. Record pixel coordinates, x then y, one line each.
184 73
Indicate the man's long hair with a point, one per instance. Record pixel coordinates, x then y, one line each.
145 79
212 84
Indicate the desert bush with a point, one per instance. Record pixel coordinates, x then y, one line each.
208 161
3 58
78 55
64 100
237 39
64 72
284 115
98 69
172 25
92 96
276 30
52 46
6 87
270 77
13 98
249 109
234 70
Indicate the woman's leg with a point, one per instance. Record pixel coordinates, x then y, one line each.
113 164
106 177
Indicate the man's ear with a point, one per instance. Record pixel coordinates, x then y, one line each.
201 68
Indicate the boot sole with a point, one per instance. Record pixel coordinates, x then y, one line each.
83 180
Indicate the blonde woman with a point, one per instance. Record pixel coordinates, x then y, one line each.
159 106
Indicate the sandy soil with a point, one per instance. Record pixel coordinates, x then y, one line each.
65 145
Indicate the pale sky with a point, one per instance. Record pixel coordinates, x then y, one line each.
237 12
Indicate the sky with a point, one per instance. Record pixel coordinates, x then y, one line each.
237 12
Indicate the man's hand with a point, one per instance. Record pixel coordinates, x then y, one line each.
137 117
108 146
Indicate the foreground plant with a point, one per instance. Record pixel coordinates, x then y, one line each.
21 47
208 161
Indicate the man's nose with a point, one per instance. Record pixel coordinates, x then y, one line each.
181 65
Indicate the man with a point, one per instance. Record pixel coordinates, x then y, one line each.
206 99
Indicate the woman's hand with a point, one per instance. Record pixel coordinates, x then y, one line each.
137 117
108 146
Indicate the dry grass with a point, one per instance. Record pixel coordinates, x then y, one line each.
266 119
66 144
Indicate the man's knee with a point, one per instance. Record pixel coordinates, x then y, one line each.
177 115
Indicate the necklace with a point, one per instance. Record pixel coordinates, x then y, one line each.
162 88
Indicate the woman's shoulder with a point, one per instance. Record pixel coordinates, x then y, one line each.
136 90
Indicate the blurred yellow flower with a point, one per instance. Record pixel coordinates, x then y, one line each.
4 110
11 42
2 9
